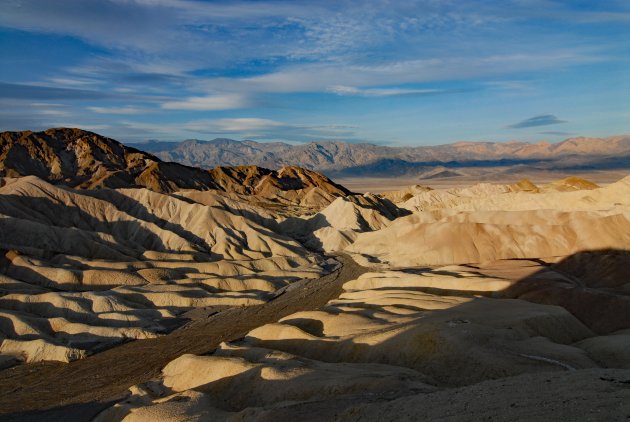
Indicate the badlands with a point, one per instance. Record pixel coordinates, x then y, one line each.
139 290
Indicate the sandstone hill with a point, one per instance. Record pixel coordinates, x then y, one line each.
477 297
83 270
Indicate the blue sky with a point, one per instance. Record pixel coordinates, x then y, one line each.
390 72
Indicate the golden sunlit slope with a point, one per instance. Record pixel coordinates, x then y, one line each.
82 270
401 343
490 222
82 159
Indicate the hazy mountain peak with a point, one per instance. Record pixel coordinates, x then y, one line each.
346 159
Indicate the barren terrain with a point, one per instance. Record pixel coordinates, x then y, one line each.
292 297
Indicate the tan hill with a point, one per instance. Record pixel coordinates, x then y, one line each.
491 222
571 183
469 298
253 180
524 185
337 225
82 270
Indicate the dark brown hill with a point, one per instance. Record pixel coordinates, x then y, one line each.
256 180
82 159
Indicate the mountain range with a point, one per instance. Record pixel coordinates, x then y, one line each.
86 160
335 158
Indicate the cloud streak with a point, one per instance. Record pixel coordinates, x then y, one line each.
384 92
211 102
541 120
37 92
118 110
366 79
268 129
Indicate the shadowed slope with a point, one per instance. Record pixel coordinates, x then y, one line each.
84 270
82 159
110 373
399 343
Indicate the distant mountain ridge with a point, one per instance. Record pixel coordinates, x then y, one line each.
82 159
336 158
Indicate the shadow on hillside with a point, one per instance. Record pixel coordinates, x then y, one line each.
274 228
592 285
48 310
392 167
131 235
138 210
71 412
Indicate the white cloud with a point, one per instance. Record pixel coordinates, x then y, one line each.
265 129
189 35
174 29
73 82
243 124
245 128
58 113
157 56
382 92
355 79
212 102
157 43
118 110
45 105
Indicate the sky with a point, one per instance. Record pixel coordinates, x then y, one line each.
409 72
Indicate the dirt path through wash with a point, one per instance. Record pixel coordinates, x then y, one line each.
80 389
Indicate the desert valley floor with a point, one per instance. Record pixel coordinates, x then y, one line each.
281 295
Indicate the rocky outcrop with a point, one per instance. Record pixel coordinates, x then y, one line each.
86 160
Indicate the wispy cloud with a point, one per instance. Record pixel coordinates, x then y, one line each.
38 92
73 82
268 129
254 128
234 125
211 102
383 92
344 78
118 110
18 114
334 38
542 120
